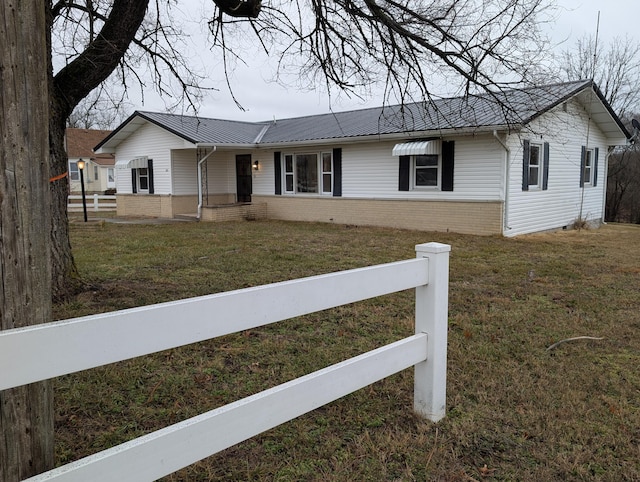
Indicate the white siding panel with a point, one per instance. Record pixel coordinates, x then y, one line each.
155 143
564 201
220 169
264 177
185 174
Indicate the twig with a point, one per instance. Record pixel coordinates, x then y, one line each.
435 444
573 339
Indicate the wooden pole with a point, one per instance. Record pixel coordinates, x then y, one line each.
26 412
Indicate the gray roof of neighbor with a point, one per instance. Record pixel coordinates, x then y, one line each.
511 107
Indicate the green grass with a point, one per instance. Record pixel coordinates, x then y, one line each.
515 411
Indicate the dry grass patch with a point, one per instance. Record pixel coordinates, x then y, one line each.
515 410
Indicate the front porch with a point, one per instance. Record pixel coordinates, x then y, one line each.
223 208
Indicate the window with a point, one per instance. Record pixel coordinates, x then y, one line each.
142 175
587 173
327 172
95 173
308 173
288 173
73 171
426 170
535 165
111 175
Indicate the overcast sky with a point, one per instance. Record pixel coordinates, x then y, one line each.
264 100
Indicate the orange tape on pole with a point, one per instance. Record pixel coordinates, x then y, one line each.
58 177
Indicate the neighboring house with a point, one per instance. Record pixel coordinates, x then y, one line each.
516 162
99 171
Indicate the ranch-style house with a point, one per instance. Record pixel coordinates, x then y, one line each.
509 163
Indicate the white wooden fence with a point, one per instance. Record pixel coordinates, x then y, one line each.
95 202
52 349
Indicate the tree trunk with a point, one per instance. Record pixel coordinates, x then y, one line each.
26 413
64 274
69 86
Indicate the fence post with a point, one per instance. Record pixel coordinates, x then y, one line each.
432 310
95 202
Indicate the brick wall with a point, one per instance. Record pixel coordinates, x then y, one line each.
153 205
235 212
456 216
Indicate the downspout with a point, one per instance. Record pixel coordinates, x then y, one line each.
200 162
505 222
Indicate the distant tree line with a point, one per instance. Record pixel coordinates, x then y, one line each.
623 182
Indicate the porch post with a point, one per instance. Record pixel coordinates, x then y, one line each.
432 309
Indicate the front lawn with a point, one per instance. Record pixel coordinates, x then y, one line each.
515 410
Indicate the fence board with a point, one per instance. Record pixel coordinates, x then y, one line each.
80 343
172 448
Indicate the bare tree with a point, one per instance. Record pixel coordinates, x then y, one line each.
26 413
614 68
102 109
623 183
410 46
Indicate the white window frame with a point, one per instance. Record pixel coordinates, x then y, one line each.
587 175
415 168
140 175
539 166
74 171
290 173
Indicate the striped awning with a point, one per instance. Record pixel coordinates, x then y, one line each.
135 163
411 148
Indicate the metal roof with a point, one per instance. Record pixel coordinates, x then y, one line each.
511 108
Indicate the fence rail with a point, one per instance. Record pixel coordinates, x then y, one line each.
95 202
80 343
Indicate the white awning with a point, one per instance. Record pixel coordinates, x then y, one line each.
135 163
411 148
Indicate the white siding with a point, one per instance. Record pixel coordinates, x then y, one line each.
185 175
369 171
564 201
155 143
264 177
221 173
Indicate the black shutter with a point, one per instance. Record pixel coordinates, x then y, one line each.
403 178
337 172
150 169
277 169
595 166
134 186
545 168
525 164
447 165
583 159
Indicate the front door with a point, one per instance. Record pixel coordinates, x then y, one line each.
243 178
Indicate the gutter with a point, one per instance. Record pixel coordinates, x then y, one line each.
199 169
507 173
